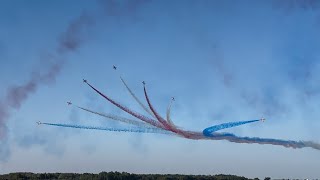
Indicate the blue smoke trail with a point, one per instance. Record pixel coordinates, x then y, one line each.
144 130
164 127
208 131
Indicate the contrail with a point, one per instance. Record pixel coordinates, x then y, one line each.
163 121
144 130
208 131
4 114
136 98
164 127
256 140
159 118
117 118
168 114
137 115
69 41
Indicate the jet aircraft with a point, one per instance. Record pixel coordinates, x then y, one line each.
262 119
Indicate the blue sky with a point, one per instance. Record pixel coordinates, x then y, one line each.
221 60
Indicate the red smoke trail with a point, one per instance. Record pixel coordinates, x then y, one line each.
159 118
136 98
186 134
69 41
212 135
164 122
170 123
137 115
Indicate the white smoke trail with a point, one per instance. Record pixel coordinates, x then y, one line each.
168 114
117 118
136 130
136 98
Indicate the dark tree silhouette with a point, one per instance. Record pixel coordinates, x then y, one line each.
115 176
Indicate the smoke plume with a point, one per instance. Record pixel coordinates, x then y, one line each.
69 41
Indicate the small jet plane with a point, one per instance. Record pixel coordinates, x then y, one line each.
39 123
172 98
69 103
114 67
84 80
262 119
144 83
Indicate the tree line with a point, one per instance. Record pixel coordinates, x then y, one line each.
116 176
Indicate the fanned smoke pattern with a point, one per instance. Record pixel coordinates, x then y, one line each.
137 115
144 130
208 131
116 118
145 108
167 127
